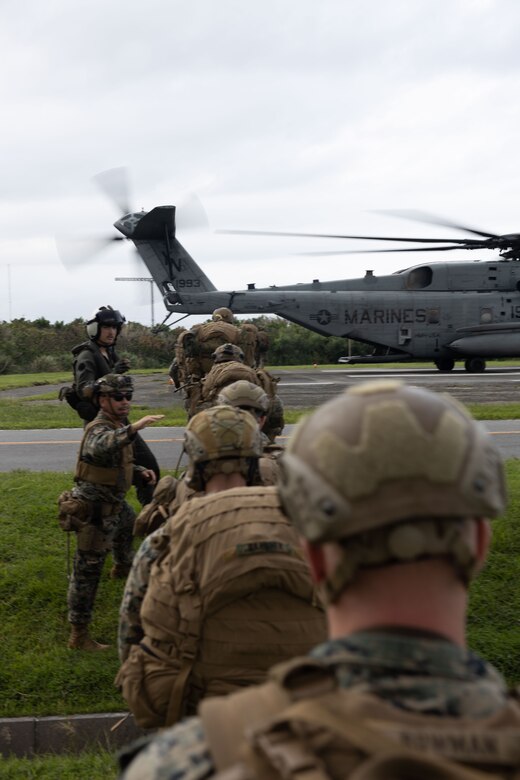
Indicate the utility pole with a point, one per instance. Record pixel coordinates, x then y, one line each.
140 279
9 292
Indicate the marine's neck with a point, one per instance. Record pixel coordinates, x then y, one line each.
423 595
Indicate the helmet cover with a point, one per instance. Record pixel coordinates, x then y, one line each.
244 394
383 452
227 352
223 314
113 383
222 432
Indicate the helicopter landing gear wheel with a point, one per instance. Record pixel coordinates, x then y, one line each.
445 364
475 365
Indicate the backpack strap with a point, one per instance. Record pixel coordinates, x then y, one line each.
268 732
190 606
284 746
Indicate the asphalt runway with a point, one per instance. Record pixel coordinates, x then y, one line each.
56 450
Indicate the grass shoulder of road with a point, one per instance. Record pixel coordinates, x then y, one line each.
40 676
44 411
94 765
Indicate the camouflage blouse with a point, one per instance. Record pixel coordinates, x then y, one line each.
414 672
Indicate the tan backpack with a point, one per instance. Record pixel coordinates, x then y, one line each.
155 513
233 596
274 732
213 334
224 374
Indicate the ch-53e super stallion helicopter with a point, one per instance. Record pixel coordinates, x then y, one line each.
441 312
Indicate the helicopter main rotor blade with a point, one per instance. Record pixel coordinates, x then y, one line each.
114 184
381 251
73 252
431 219
191 214
463 241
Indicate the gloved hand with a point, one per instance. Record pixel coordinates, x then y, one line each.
122 366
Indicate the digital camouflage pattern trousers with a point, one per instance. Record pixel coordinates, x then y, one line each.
93 543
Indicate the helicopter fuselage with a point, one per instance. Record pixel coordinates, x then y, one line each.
442 311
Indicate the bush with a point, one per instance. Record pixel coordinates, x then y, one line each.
44 363
6 364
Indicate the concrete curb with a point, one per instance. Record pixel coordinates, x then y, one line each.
28 737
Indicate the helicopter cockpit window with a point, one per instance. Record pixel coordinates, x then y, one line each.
418 278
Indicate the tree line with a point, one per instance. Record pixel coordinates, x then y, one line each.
36 346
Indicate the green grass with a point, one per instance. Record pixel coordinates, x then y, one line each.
40 676
99 765
13 381
27 414
494 619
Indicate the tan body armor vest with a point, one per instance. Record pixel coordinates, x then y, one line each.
102 475
224 374
232 596
208 337
248 343
301 725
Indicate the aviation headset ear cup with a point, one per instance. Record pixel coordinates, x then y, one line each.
105 315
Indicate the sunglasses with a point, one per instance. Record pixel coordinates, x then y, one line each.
121 396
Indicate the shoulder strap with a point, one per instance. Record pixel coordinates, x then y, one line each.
387 760
274 739
281 749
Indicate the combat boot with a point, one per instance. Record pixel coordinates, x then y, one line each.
120 571
80 640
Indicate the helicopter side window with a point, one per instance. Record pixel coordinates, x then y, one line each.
418 278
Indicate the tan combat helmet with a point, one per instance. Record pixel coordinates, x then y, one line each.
245 395
223 314
390 471
226 352
222 439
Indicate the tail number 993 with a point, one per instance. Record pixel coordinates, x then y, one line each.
188 282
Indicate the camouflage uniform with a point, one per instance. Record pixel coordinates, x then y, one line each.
429 676
102 446
90 364
379 478
130 629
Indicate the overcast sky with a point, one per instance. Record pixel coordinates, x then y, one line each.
296 115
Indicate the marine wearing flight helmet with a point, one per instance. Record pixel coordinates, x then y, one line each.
92 360
229 592
390 487
96 508
96 357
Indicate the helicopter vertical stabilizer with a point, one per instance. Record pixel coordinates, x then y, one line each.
172 268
